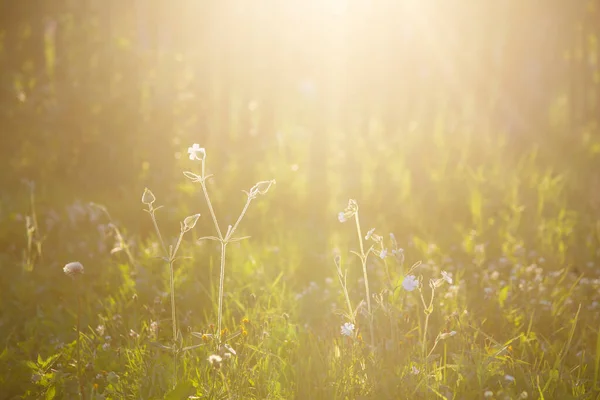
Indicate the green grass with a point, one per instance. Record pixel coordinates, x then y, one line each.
519 318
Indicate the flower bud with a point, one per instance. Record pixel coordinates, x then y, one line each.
261 187
148 197
190 222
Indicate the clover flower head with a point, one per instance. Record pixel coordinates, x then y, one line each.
73 269
196 152
410 283
347 329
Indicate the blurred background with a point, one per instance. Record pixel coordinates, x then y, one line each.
430 113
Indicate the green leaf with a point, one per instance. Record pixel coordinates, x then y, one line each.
50 393
181 392
503 295
31 365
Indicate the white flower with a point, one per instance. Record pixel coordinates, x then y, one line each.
215 360
488 394
369 233
447 277
195 150
383 253
347 329
100 330
414 370
410 283
73 269
509 378
523 395
349 211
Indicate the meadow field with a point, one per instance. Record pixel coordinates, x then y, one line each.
299 200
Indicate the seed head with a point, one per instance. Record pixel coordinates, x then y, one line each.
73 269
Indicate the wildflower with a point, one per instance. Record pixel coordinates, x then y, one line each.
106 346
148 197
509 378
100 330
195 150
383 253
523 395
347 329
410 283
447 277
73 269
215 360
369 233
190 222
349 211
133 334
414 370
488 393
446 335
154 327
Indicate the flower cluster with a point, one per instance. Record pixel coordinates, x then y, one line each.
349 211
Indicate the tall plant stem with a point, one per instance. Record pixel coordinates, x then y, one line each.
79 374
363 259
221 287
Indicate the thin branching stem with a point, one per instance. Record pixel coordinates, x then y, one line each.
162 242
239 218
363 259
207 198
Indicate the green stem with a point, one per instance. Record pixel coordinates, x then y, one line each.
221 286
210 207
162 242
239 218
363 259
79 374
